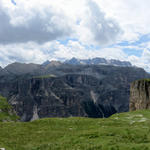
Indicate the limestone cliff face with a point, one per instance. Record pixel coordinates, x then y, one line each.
140 95
70 95
68 90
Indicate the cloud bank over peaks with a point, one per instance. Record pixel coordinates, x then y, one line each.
35 31
45 21
20 24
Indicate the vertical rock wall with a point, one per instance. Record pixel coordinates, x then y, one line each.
140 95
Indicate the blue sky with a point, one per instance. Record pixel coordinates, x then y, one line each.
13 1
35 31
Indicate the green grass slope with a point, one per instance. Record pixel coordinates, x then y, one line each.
126 131
6 112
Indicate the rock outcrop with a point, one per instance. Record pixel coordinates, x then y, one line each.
66 96
140 95
66 90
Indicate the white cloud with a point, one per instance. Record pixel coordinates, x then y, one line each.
142 61
29 52
30 30
95 28
42 21
76 49
132 16
28 21
38 53
131 47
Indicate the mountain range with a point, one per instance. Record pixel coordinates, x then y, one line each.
94 61
31 68
56 89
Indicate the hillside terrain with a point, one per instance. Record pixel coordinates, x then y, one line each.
64 90
6 111
125 131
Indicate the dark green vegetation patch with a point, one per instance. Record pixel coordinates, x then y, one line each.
126 131
45 76
146 80
6 112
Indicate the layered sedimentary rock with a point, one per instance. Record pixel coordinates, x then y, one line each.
68 90
140 95
70 95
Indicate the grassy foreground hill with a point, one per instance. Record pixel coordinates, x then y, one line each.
125 131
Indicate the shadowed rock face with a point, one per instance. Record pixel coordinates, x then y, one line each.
21 68
70 90
66 96
140 95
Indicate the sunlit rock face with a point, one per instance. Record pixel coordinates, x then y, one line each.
140 95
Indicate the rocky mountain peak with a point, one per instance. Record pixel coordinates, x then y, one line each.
46 63
69 90
21 68
73 61
53 63
98 61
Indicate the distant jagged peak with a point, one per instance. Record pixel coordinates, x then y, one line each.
20 64
73 61
51 63
21 68
91 61
47 62
118 62
55 63
98 61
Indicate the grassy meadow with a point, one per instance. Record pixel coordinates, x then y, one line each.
125 131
